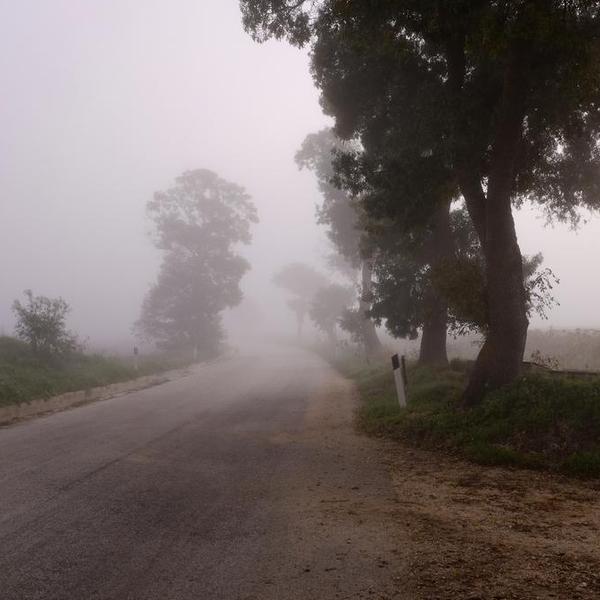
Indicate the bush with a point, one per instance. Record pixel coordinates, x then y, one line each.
41 323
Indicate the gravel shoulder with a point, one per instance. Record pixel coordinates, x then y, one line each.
342 538
444 529
491 533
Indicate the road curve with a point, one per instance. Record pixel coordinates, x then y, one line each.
243 480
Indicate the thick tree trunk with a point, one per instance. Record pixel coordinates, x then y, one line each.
435 323
501 357
373 346
433 339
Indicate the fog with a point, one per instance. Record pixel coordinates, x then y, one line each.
105 102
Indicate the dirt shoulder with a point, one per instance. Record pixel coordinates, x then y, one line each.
338 505
484 533
441 528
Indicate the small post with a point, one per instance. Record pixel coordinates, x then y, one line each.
399 366
136 352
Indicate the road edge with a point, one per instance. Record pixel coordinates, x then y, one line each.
15 413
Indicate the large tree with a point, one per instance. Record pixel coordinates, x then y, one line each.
503 94
341 213
198 224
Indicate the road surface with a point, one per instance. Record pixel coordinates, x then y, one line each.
243 480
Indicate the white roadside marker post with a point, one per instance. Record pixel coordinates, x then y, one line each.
399 366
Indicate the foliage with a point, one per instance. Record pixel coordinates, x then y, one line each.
468 311
302 282
342 213
339 211
41 322
328 305
496 101
352 321
279 18
197 223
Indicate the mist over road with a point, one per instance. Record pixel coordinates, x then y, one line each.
243 480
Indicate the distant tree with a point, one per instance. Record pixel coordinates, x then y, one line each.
303 282
41 322
341 213
197 222
328 306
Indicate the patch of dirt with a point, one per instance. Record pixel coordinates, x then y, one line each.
491 533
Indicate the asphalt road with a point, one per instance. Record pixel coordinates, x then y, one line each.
243 480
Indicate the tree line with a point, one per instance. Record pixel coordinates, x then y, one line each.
448 115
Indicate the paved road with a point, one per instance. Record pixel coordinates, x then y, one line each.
243 480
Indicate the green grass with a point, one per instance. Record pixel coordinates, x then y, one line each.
541 421
23 377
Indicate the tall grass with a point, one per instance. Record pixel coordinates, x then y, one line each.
25 377
540 421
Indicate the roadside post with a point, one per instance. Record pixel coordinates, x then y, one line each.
399 366
136 353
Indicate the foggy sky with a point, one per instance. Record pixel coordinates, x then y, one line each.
105 101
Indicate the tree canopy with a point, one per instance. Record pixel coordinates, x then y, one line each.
497 101
328 306
339 211
302 282
342 212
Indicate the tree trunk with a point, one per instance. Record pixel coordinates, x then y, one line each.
501 357
435 323
433 339
373 346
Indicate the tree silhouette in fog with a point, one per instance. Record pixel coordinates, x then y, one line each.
328 306
197 224
341 212
302 282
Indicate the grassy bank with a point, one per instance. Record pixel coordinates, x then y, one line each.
541 421
24 377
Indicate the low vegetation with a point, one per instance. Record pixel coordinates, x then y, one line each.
541 421
25 376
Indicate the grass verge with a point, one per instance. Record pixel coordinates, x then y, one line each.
541 421
23 377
